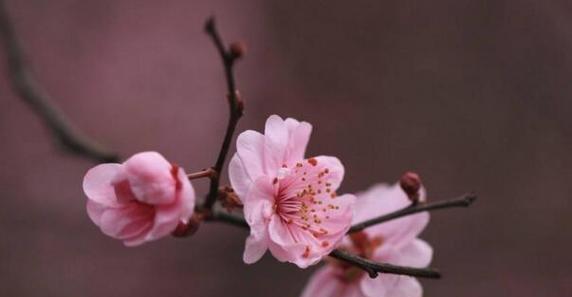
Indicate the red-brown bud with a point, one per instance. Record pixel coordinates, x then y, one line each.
410 182
187 229
237 49
228 198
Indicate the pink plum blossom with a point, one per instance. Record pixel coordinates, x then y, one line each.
138 201
393 242
289 202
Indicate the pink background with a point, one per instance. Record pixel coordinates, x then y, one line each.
474 95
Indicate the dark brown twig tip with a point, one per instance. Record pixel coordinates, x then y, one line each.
210 25
469 199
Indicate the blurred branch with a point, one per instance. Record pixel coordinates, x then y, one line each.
28 89
374 268
235 104
464 201
228 219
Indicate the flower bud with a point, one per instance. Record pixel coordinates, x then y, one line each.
229 199
237 49
189 228
410 182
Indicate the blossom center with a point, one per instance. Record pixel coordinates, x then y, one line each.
305 200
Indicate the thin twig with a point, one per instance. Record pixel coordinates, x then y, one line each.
374 268
235 109
463 201
209 172
30 91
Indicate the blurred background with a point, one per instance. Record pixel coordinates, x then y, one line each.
474 95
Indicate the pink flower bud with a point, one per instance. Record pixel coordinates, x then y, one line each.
141 200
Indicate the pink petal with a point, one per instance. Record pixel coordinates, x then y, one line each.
122 187
417 253
186 196
257 211
326 283
283 246
239 178
95 211
299 133
113 221
97 184
150 177
335 167
382 199
379 286
406 287
276 138
338 224
167 217
254 249
259 202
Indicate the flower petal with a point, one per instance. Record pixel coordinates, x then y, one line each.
150 177
114 221
299 136
254 248
276 138
97 183
326 283
95 211
239 178
406 287
250 150
417 253
259 202
335 168
379 286
284 247
383 199
186 196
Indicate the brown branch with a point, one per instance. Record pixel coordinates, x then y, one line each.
235 104
374 268
209 172
464 201
228 219
26 87
371 267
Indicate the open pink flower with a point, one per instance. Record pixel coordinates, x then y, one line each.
140 200
289 202
393 242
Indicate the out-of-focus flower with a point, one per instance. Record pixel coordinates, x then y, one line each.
141 200
289 202
393 242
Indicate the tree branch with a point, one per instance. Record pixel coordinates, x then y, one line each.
371 267
374 268
228 219
26 87
464 201
235 109
209 172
